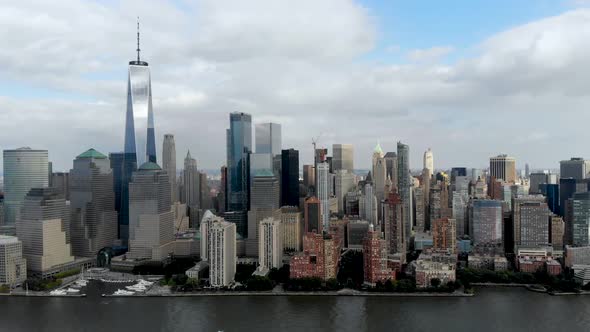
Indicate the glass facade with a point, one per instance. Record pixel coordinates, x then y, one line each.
123 166
290 178
268 138
239 144
581 219
24 169
139 128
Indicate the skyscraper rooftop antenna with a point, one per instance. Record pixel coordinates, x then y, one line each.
138 50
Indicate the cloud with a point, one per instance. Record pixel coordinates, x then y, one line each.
299 63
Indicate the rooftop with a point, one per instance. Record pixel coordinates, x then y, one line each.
5 239
149 166
92 153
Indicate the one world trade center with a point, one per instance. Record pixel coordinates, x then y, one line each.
140 137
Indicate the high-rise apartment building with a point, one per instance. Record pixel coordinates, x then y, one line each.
343 157
13 267
222 257
169 163
270 247
369 206
239 148
375 259
323 191
503 167
290 177
444 235
24 169
405 186
485 222
395 234
93 221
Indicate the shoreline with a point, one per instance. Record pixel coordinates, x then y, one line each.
357 294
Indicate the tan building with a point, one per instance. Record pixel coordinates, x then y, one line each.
291 228
503 167
557 232
13 267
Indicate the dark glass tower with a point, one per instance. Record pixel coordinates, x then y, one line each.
123 166
239 147
290 177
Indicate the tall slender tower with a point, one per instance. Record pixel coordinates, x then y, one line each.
139 127
169 163
405 184
429 161
191 184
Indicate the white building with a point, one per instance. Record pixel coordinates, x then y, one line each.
13 267
429 161
344 183
270 248
221 237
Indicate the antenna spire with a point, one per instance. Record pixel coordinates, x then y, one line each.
138 50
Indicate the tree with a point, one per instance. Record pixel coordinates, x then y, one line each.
435 282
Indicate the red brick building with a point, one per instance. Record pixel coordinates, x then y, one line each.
319 259
375 259
444 235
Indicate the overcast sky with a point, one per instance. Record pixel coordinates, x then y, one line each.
468 79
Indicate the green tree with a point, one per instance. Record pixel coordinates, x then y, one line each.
435 282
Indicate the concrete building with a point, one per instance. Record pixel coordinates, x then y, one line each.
151 219
291 228
580 222
435 266
517 203
485 222
404 187
265 197
356 233
576 168
429 161
391 166
343 157
319 259
531 223
369 206
557 234
222 256
270 247
169 164
61 182
191 186
395 235
577 256
420 207
344 183
313 215
308 176
535 180
13 267
43 228
379 173
503 167
93 221
24 169
375 259
444 235
323 190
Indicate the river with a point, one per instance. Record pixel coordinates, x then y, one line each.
492 309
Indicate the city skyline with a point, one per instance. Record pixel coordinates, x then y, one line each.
360 81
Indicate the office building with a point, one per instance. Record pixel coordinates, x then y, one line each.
557 232
391 166
140 136
123 166
191 186
343 157
459 206
356 231
308 176
169 163
580 223
290 177
575 168
151 219
270 247
375 259
405 186
535 182
93 221
534 225
44 229
379 173
13 267
61 182
485 222
24 169
344 183
503 167
369 206
429 161
265 199
313 215
268 138
222 256
239 148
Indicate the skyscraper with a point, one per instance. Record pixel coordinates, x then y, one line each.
313 216
239 146
123 165
576 168
534 225
151 218
391 166
503 167
169 163
429 161
44 229
444 234
343 184
93 220
270 247
268 138
290 177
580 227
375 259
140 136
323 191
485 222
343 157
24 169
395 235
308 176
191 187
405 185
221 237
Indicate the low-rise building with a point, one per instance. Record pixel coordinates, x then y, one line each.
582 274
435 266
199 271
